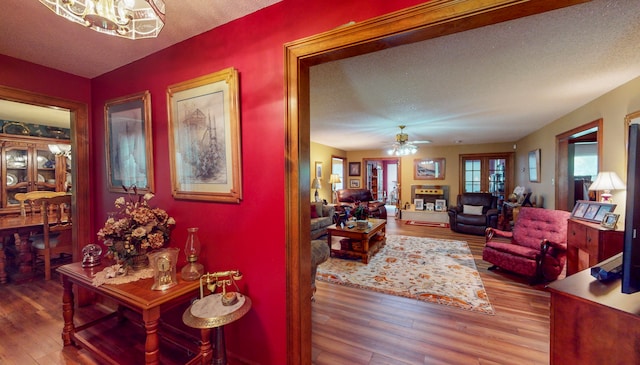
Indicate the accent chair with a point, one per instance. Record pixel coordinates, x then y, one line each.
473 213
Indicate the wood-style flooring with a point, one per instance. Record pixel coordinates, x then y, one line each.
353 326
350 326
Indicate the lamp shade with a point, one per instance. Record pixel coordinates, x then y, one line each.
316 184
334 179
607 180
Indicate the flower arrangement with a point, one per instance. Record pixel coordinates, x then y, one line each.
135 228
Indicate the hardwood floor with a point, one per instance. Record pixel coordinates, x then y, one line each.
353 326
350 326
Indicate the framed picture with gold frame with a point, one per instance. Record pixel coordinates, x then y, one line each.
204 138
429 169
129 145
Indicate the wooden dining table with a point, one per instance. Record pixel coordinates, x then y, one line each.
22 225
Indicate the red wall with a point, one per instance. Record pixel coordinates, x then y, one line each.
247 236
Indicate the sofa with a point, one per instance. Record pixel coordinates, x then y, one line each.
348 198
474 213
536 248
321 218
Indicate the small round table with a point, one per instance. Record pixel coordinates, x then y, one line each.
208 313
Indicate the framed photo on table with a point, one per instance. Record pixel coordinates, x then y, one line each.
419 204
610 220
129 145
592 211
204 138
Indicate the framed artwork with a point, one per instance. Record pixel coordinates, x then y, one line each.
441 205
428 169
129 146
354 183
610 220
419 204
592 211
430 207
354 168
534 165
318 170
204 138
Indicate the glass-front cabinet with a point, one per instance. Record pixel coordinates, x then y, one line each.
29 165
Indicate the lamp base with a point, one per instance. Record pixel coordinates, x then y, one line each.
317 196
606 198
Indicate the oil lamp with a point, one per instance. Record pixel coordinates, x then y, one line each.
193 270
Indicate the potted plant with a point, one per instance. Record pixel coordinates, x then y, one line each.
361 213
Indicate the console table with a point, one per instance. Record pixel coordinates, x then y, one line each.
590 243
593 322
137 296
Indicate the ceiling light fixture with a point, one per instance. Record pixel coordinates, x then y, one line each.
133 19
402 146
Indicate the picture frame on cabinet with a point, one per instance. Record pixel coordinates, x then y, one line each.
592 211
610 220
129 144
419 204
204 138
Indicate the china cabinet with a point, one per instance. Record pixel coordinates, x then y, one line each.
29 165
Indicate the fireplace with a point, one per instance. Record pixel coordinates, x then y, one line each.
429 193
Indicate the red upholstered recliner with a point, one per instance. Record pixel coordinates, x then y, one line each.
537 247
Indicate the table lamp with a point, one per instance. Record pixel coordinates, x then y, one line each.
607 181
333 180
316 185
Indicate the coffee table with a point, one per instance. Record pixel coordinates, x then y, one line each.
365 242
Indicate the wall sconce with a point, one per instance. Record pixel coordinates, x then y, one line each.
607 181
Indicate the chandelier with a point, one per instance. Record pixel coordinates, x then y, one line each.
133 19
402 146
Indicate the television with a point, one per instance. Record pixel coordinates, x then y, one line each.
631 248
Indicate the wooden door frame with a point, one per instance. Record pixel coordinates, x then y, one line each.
425 21
79 116
562 160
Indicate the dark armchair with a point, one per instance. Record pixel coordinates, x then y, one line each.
535 248
350 197
473 213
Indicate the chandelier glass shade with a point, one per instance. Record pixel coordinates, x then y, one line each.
133 19
402 146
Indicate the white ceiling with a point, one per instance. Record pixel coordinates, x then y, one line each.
493 84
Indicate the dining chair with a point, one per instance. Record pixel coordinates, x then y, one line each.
55 241
30 197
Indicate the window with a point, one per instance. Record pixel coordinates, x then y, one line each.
486 173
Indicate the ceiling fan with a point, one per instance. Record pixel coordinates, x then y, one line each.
402 146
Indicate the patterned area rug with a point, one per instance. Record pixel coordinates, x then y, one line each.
432 270
427 224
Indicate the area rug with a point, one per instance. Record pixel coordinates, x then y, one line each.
427 269
427 224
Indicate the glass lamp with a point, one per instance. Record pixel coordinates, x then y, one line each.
333 180
193 270
607 181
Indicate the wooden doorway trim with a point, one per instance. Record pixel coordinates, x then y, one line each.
430 20
80 151
562 160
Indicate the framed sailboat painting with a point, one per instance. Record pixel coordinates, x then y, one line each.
204 138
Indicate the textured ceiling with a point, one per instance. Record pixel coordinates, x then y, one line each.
31 32
493 84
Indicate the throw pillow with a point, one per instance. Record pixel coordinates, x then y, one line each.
314 211
472 209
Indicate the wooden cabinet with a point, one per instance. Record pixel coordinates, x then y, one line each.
29 165
590 243
593 322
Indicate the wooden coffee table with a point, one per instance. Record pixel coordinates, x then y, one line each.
365 242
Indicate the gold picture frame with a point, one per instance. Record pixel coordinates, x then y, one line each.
429 168
204 138
129 144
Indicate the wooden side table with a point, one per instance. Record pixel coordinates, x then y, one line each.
590 243
136 295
